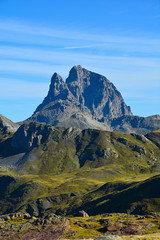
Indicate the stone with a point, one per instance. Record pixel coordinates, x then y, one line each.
81 214
109 237
27 216
7 218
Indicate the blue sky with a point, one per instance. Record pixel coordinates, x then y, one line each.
119 39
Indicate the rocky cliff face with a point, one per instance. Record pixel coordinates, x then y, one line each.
89 100
97 93
85 100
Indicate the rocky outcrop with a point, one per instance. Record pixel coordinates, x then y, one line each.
89 100
85 100
58 91
81 213
30 135
110 237
49 227
7 125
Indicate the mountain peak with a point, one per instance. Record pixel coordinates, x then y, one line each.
77 68
84 95
75 74
58 90
56 86
56 78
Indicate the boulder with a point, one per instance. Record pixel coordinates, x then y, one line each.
110 237
81 213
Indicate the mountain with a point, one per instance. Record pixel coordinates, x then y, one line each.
89 100
85 100
48 169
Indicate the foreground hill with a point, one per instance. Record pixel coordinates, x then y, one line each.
61 170
89 100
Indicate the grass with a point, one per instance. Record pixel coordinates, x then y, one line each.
78 227
62 165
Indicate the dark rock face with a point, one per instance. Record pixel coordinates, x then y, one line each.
97 93
30 135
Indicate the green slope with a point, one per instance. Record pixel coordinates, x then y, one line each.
46 169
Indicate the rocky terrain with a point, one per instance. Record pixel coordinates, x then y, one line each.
89 100
22 226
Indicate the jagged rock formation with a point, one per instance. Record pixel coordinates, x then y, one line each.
97 93
89 100
85 100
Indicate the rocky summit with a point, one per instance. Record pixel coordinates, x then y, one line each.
89 100
85 100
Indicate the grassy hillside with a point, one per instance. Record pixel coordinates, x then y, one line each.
46 169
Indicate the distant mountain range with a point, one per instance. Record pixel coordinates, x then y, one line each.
89 100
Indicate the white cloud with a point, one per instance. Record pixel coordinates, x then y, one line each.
131 63
51 55
17 31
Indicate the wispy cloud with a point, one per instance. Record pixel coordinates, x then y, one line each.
17 32
131 63
26 53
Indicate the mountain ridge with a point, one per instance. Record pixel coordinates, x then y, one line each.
70 169
89 100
